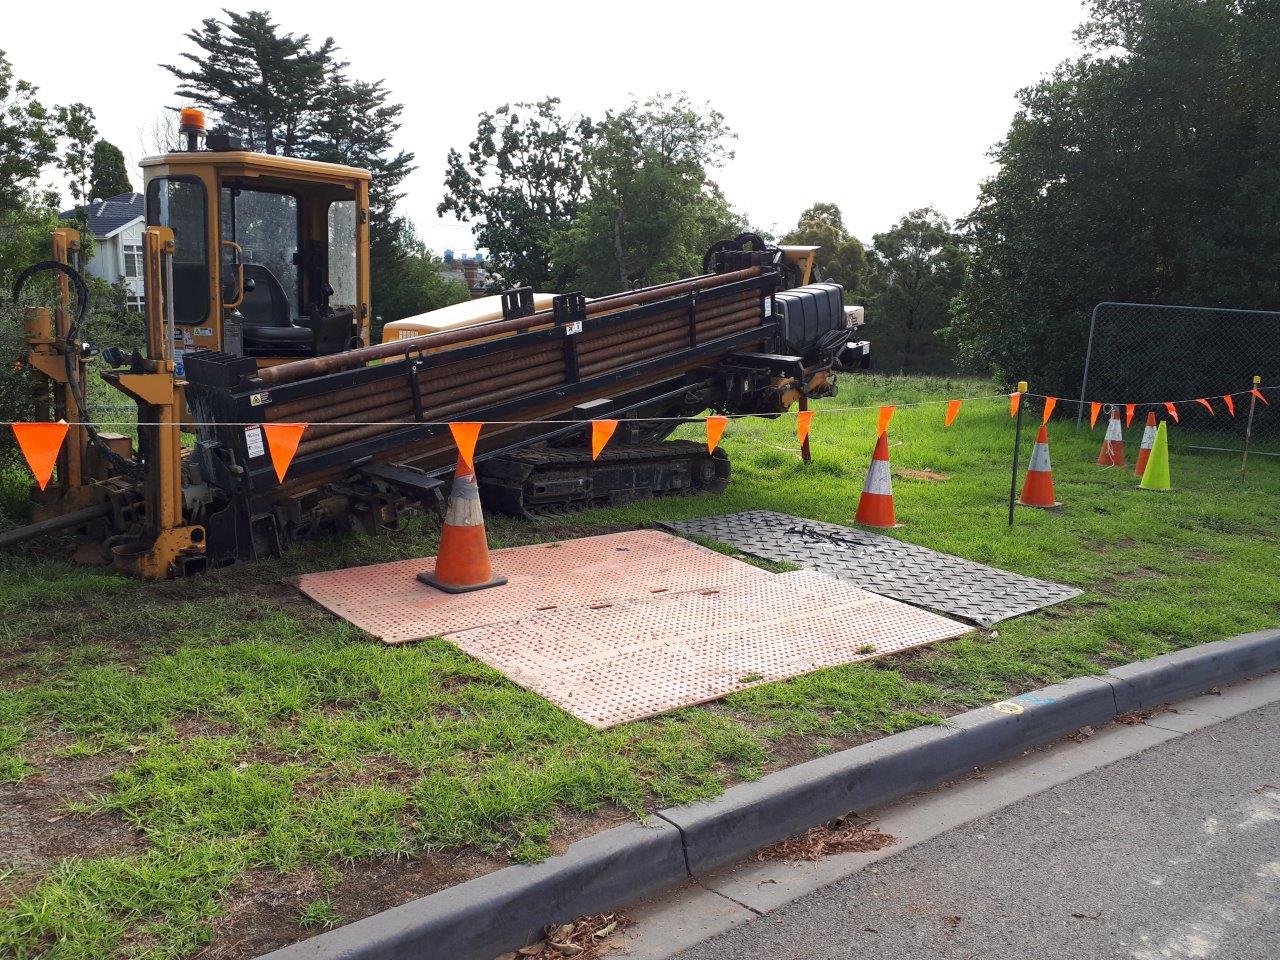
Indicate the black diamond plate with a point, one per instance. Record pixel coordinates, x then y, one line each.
913 574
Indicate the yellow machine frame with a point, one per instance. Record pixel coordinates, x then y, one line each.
161 541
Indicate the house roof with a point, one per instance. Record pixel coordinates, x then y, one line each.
107 217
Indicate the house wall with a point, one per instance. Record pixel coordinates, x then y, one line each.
108 262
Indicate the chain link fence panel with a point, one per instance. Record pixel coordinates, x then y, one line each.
1149 353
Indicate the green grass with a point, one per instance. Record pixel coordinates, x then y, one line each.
252 732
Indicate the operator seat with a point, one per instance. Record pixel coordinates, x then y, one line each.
265 309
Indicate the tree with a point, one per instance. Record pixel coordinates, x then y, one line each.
1145 170
355 123
76 129
519 185
841 257
28 139
916 269
281 94
652 208
108 176
262 83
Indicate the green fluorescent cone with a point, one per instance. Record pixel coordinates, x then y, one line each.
1156 475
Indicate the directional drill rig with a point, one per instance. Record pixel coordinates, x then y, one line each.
257 311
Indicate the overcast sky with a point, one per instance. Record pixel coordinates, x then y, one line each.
878 106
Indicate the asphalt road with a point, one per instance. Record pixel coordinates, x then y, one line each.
1171 854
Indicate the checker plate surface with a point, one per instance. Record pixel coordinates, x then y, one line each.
627 626
913 574
386 600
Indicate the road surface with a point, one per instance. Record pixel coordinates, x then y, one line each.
1172 853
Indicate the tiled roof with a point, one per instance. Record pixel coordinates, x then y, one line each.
107 216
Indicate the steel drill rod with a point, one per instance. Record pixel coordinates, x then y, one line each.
316 366
41 528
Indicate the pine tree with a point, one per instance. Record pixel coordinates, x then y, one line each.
262 83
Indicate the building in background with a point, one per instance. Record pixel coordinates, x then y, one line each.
467 269
116 224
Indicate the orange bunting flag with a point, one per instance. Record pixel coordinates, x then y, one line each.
1258 393
1129 408
1094 410
1231 404
803 419
40 444
1015 400
1049 404
1204 401
601 431
1173 411
465 434
886 414
715 430
282 444
953 410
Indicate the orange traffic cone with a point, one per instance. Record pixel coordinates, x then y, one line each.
1037 490
463 561
875 507
1112 453
1148 440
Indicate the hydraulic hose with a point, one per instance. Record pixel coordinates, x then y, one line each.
71 346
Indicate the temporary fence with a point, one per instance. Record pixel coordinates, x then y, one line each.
1144 352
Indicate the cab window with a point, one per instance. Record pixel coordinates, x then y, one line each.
342 253
265 225
179 204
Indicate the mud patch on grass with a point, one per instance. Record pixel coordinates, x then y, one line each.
926 475
37 828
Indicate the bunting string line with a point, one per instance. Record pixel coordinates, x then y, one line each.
698 419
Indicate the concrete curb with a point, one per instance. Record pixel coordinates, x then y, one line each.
508 908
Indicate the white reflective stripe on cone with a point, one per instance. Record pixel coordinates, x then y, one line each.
1040 459
1113 429
1148 438
879 479
464 504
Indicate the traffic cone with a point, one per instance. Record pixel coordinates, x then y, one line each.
462 563
875 507
1112 453
1037 490
1148 438
1156 476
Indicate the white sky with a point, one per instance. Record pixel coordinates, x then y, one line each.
878 106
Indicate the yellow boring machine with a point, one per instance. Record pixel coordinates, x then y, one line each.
257 310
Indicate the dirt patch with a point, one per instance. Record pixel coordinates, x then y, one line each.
845 835
37 829
928 476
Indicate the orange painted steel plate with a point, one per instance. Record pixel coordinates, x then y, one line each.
627 626
387 601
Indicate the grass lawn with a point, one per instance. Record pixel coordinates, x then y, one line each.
218 765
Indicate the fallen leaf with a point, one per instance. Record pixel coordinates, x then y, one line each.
607 929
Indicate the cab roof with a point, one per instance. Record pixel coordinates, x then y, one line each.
247 163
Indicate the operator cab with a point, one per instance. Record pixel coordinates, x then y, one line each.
271 254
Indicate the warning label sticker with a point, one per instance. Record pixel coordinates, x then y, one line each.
253 441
